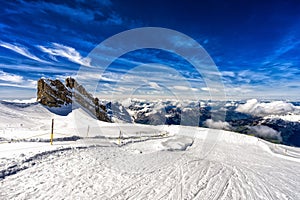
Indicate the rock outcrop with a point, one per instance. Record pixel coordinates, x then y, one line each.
53 93
87 101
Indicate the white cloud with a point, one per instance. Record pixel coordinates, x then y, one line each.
209 89
154 85
217 124
289 42
247 76
21 50
67 52
10 77
25 84
238 90
265 132
256 108
185 88
183 42
179 87
228 73
95 76
13 80
114 19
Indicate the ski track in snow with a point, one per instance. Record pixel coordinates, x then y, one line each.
121 173
145 166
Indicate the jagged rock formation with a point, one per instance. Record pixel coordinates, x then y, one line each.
53 93
87 101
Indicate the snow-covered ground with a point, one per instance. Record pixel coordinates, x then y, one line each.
147 162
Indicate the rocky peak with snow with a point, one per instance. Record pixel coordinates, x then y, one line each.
53 93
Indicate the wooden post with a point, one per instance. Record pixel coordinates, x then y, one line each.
87 132
120 137
51 137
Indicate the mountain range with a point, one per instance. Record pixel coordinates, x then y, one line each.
275 121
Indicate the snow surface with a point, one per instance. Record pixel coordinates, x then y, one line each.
131 161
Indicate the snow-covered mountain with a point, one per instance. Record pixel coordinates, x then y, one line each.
276 121
92 159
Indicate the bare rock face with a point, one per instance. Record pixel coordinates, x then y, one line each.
53 93
70 82
87 101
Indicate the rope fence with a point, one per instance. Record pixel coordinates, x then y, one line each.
37 136
55 136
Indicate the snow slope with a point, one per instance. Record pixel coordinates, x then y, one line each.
149 162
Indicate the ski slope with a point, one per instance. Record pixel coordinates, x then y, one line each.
148 162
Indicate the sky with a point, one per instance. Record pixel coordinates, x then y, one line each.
255 46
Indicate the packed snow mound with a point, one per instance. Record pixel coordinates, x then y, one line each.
178 143
254 107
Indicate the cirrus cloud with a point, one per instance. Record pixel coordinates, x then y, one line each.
67 52
21 50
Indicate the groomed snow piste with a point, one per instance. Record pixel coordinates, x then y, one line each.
90 159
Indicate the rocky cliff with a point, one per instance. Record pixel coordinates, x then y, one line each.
53 93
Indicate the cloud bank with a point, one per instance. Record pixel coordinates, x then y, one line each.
217 124
4 76
256 108
14 80
265 132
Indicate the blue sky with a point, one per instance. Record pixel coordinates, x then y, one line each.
254 44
